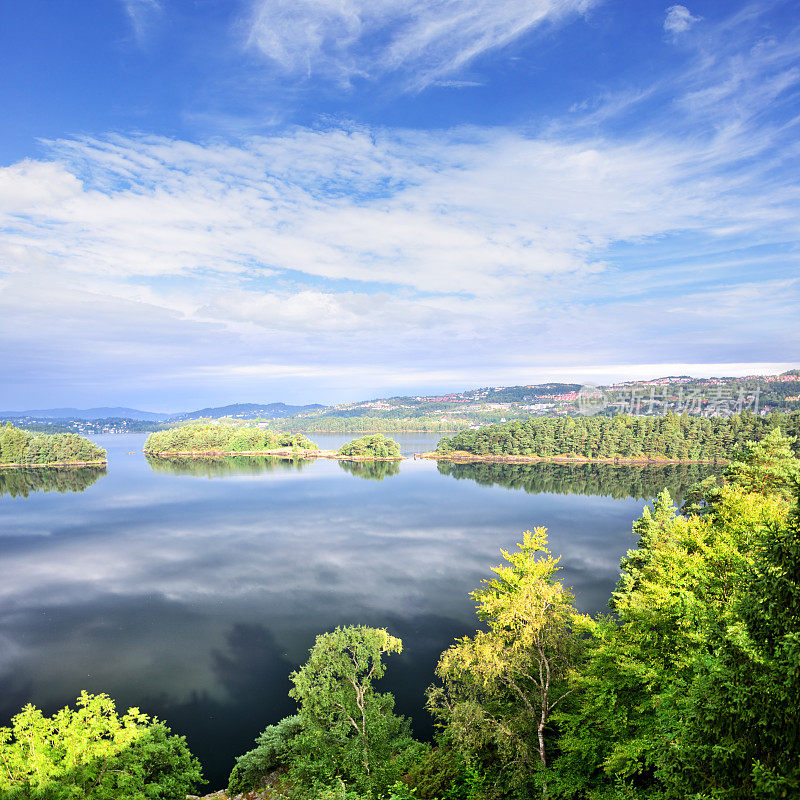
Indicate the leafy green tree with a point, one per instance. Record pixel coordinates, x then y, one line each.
676 600
735 728
767 466
91 752
349 730
502 685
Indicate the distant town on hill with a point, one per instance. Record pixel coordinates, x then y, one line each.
760 394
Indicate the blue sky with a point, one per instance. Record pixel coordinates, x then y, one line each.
322 200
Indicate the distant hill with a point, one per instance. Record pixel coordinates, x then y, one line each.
247 411
116 412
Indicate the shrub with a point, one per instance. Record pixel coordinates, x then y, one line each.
93 753
270 753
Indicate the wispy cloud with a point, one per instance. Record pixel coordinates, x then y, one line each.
142 14
679 19
317 253
424 40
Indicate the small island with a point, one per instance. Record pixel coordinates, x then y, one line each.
201 439
376 447
22 448
621 439
215 440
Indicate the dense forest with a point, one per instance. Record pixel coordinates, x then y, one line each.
609 480
622 436
687 689
22 482
221 437
18 446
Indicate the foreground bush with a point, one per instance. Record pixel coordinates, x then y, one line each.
92 753
271 752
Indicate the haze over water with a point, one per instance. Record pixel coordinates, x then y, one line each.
192 590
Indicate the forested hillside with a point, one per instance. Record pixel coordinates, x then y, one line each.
622 436
21 447
206 437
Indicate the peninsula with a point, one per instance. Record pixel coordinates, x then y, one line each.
622 439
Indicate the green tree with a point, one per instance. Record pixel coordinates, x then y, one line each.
348 729
91 752
502 685
735 728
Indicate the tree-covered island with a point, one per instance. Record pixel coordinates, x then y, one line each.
204 440
22 448
377 447
621 438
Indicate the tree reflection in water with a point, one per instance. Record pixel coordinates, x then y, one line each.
371 470
20 482
608 480
225 466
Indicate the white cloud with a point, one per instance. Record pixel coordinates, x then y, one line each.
317 253
142 15
679 19
425 40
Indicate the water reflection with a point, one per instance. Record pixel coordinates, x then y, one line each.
618 481
225 465
371 470
22 482
194 598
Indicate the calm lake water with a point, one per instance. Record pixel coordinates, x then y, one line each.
192 589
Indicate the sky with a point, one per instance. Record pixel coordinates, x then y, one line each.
215 201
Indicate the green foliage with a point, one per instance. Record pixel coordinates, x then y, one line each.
767 467
18 446
272 751
375 446
621 436
735 729
92 753
204 437
501 686
349 731
650 700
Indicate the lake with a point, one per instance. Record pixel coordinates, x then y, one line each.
192 589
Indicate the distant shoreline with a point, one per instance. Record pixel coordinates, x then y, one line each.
103 463
462 457
280 453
